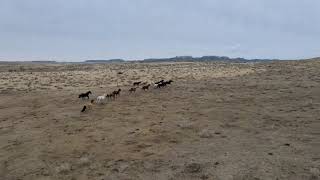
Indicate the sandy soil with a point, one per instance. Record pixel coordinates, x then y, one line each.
218 121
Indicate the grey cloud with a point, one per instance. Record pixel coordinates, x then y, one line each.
80 29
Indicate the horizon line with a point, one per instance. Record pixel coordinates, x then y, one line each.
154 58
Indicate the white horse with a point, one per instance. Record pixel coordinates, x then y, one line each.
155 85
101 98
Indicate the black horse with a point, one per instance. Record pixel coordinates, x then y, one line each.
159 82
163 84
83 95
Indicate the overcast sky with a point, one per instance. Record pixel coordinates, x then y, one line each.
73 30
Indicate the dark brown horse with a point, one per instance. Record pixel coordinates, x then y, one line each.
116 93
145 87
110 96
169 82
132 90
137 83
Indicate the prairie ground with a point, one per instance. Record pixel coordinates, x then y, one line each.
219 121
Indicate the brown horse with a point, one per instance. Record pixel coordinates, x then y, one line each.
116 93
132 90
146 87
88 106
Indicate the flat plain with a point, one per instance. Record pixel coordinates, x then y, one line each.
217 120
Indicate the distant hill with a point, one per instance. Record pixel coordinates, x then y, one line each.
172 59
183 59
106 61
314 59
204 59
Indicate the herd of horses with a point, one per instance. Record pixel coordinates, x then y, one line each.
113 95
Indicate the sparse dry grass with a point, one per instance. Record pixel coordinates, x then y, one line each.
216 121
79 77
